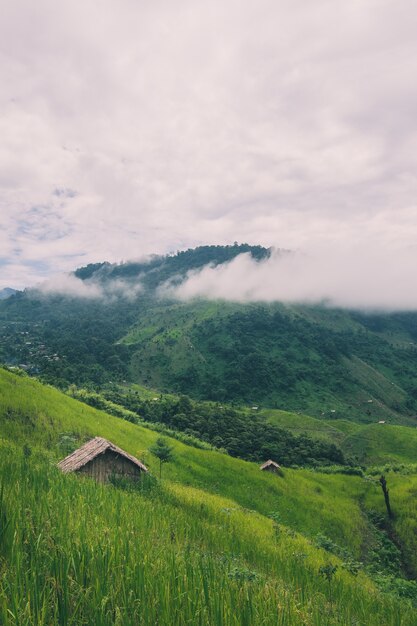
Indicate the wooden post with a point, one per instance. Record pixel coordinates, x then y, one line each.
385 491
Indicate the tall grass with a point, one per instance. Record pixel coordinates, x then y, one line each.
311 503
74 552
200 549
403 527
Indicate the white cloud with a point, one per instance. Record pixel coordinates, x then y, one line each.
355 277
70 285
115 289
188 122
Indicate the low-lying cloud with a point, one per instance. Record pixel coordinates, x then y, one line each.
71 286
359 278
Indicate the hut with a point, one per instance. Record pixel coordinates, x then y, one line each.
271 466
102 460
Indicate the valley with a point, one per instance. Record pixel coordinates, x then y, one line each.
329 394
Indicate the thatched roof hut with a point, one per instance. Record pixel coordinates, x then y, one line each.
102 460
270 466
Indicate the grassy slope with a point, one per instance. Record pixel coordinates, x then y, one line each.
201 510
299 423
375 386
371 444
377 443
171 558
175 320
403 495
30 411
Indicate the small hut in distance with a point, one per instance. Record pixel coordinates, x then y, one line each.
102 460
271 466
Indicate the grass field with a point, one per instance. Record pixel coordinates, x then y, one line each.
77 553
216 542
370 444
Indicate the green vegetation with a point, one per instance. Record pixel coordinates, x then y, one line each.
163 452
331 364
169 557
240 432
275 355
217 541
366 444
44 418
293 438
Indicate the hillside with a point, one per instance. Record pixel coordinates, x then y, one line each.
369 444
217 541
311 359
274 355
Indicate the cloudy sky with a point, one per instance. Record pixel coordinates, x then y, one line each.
130 127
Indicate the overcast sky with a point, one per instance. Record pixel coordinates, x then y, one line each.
130 127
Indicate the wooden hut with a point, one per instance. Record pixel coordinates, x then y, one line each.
271 466
102 460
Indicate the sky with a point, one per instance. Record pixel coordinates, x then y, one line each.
129 128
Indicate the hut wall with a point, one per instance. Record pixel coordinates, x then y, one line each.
109 464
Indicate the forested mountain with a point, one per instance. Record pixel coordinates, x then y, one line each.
330 363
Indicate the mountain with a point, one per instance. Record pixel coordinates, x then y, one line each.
7 292
326 363
329 363
216 541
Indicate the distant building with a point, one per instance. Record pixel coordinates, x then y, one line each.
102 460
270 466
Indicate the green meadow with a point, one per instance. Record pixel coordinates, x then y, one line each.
370 444
215 542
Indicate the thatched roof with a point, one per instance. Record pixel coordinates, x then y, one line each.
269 464
90 451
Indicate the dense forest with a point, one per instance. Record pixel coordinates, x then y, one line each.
267 353
241 434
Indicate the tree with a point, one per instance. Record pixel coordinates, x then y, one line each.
385 491
163 451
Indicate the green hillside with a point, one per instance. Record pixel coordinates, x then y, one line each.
294 358
45 417
216 542
310 359
369 444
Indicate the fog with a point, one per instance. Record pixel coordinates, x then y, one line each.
374 278
356 277
71 286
